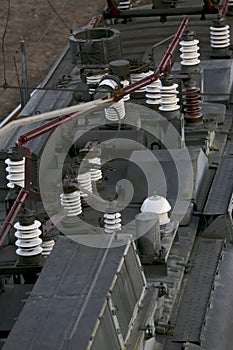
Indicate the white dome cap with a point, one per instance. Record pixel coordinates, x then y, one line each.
157 204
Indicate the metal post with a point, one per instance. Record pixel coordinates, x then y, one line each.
25 95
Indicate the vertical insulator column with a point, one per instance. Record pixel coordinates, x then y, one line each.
47 247
94 160
192 109
112 222
169 96
124 5
116 111
84 179
27 234
16 170
72 203
153 95
124 84
93 80
134 77
189 50
220 38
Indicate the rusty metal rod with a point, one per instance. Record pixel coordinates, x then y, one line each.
10 219
162 66
223 10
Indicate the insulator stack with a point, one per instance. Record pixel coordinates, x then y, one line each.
153 93
219 35
47 247
28 241
169 98
72 203
96 174
116 111
134 77
124 5
84 179
189 51
112 222
124 84
93 81
16 170
192 109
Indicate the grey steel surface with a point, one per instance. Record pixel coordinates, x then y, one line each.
217 330
204 261
221 189
50 315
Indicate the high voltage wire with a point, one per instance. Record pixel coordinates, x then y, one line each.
64 89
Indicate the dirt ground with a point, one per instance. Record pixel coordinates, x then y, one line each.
44 34
44 26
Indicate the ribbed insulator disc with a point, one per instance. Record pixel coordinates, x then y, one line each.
72 203
219 37
112 222
16 170
85 181
96 174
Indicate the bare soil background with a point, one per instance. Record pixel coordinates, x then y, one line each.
44 34
44 26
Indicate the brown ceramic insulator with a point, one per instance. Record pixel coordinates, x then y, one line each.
192 109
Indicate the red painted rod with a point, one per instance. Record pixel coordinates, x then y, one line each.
223 9
148 80
10 219
163 64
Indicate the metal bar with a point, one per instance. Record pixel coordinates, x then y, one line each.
25 95
167 57
9 221
163 64
223 10
156 12
60 120
15 270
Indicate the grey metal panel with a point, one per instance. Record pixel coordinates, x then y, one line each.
127 290
106 336
222 188
65 303
217 332
195 299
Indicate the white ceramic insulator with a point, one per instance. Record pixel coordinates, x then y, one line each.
168 98
125 83
124 5
47 247
189 52
136 77
93 79
112 222
72 203
219 37
85 181
230 3
96 174
116 111
153 92
28 241
16 170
